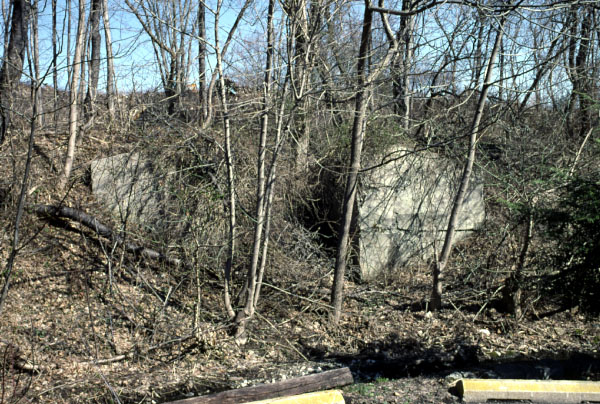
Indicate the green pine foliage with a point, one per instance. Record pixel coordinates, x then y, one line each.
575 224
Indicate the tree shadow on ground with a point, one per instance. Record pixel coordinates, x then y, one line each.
393 357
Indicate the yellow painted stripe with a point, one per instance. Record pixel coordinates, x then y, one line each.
550 391
319 397
567 386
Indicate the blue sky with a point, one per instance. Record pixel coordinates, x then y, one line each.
136 67
134 58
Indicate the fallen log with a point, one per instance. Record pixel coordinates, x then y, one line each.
102 230
299 385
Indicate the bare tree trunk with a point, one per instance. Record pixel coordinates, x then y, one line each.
578 69
511 294
231 240
270 190
542 68
6 13
360 107
94 62
198 309
83 80
501 66
22 200
401 82
73 98
478 52
68 56
247 312
299 67
202 101
215 73
364 83
440 264
54 64
110 69
12 66
170 26
584 73
36 59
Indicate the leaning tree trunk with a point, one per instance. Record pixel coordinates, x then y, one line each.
270 188
364 84
12 68
440 264
73 99
7 273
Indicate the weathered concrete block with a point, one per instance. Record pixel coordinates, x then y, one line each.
127 185
404 207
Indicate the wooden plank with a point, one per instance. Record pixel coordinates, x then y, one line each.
300 385
541 391
319 397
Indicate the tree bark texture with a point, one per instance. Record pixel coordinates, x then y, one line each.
73 99
110 68
300 385
247 312
579 72
231 194
299 74
401 79
35 55
202 53
364 84
270 189
337 290
12 66
103 230
94 62
440 264
55 62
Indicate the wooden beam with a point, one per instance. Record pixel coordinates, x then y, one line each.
542 391
300 385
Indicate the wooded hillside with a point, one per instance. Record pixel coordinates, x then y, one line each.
184 186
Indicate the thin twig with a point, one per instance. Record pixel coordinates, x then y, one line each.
282 336
298 296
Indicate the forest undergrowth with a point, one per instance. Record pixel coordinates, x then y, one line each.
89 321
